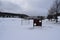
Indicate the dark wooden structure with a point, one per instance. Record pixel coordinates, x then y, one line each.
37 22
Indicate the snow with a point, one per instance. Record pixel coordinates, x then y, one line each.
20 29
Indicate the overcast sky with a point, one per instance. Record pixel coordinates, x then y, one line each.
31 7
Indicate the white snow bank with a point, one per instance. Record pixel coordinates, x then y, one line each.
13 29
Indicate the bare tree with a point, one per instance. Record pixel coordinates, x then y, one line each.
54 10
57 4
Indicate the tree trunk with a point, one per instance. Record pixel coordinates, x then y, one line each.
56 19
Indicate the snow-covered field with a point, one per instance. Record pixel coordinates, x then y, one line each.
17 29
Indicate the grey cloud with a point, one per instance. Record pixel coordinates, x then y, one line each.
39 6
35 7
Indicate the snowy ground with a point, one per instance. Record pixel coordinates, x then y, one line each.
14 29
